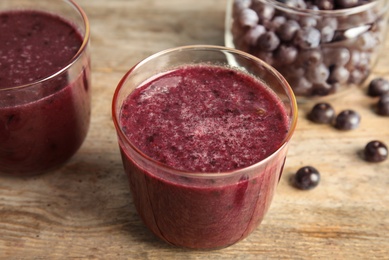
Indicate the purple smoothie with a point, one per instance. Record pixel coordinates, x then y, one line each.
203 120
41 126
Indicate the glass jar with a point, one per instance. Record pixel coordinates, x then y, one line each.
45 87
320 52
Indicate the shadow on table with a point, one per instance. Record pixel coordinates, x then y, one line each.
90 194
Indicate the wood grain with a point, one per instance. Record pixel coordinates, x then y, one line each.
84 210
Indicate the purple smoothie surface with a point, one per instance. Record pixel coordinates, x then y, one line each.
205 119
34 45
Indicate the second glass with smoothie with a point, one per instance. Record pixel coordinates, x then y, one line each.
44 84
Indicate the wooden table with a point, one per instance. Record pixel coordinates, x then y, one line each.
84 210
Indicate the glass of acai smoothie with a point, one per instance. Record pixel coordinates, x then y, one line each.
203 133
44 84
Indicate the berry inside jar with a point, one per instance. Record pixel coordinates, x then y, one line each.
319 46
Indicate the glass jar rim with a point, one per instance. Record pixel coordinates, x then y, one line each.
338 12
285 84
74 59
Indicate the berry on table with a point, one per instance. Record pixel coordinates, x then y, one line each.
378 87
347 120
376 151
322 113
306 178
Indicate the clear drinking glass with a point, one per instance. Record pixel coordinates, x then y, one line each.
43 120
319 52
193 209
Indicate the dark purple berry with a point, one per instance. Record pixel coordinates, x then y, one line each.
307 37
378 87
287 30
306 178
345 3
286 54
322 113
248 18
383 105
268 41
338 75
375 151
347 120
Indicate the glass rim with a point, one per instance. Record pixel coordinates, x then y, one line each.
337 12
288 91
73 60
